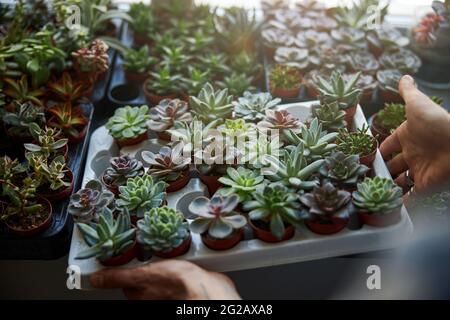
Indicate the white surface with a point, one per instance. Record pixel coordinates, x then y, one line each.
254 253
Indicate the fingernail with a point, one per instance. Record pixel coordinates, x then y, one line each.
96 280
408 78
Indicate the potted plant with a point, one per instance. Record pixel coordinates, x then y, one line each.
364 62
329 115
17 122
162 85
388 84
215 63
281 121
120 170
211 105
91 62
385 38
358 143
47 142
174 59
19 91
143 23
11 171
342 170
274 38
87 204
169 165
165 114
70 120
345 93
165 232
273 213
137 64
236 84
328 209
387 120
140 194
112 241
66 89
284 82
402 59
129 125
365 82
26 214
378 201
247 64
194 82
219 226
252 107
241 181
293 57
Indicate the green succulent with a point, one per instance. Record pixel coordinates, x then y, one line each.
356 143
162 229
22 200
108 238
195 81
121 169
343 170
138 61
47 142
253 106
10 169
128 122
211 105
377 195
174 59
275 205
235 129
199 41
316 143
345 93
391 116
21 118
216 216
143 21
245 63
86 205
237 84
167 112
215 63
140 194
52 174
165 82
293 170
330 116
284 77
241 181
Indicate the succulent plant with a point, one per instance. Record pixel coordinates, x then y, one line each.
292 170
108 238
11 172
121 169
356 143
391 116
292 57
346 94
403 60
292 20
377 195
326 201
47 141
316 143
280 120
162 229
275 38
19 91
349 39
270 6
174 59
284 77
235 129
358 15
50 174
366 83
247 64
140 194
143 19
195 80
236 84
343 170
215 63
92 59
167 112
211 105
87 204
66 89
128 122
164 82
311 39
388 79
275 205
253 106
70 120
241 181
330 116
138 61
19 120
22 200
364 62
216 216
386 37
168 164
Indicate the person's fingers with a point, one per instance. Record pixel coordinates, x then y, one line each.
397 165
407 88
119 278
390 145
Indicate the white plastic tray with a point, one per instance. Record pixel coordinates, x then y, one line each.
252 253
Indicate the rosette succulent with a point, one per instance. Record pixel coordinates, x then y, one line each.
211 105
292 57
403 60
86 205
349 39
164 115
128 122
121 169
140 194
345 93
253 106
329 115
388 79
216 217
162 229
240 181
343 170
274 38
377 195
280 120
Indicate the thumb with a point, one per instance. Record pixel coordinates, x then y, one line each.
407 88
117 278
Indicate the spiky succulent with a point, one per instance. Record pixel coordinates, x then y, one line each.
140 194
275 205
284 77
88 203
216 216
108 238
281 120
128 122
164 115
211 105
168 164
391 116
241 181
359 142
19 120
343 170
162 229
47 141
292 170
316 142
344 93
327 200
292 57
121 169
377 195
252 107
138 61
329 115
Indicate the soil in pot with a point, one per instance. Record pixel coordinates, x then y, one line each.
30 225
124 258
58 195
132 141
324 226
124 93
261 230
211 182
380 219
180 183
178 251
222 244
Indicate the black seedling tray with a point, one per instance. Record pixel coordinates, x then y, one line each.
55 241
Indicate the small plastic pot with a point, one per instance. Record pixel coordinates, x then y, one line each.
180 183
132 141
312 92
330 225
154 98
267 236
62 194
38 229
390 96
164 136
285 93
222 244
124 258
380 219
114 189
349 115
178 251
366 96
135 77
377 130
124 93
211 182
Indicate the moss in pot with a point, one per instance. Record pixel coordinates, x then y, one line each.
285 82
359 143
120 170
218 224
164 115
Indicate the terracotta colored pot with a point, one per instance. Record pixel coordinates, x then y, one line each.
270 52
164 136
349 115
258 78
80 137
312 92
140 40
370 158
326 226
366 96
114 189
180 250
135 77
377 131
390 96
124 258
223 244
267 236
63 194
154 98
285 93
380 219
180 183
211 183
38 229
132 141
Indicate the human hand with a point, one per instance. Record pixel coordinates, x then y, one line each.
423 142
170 279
